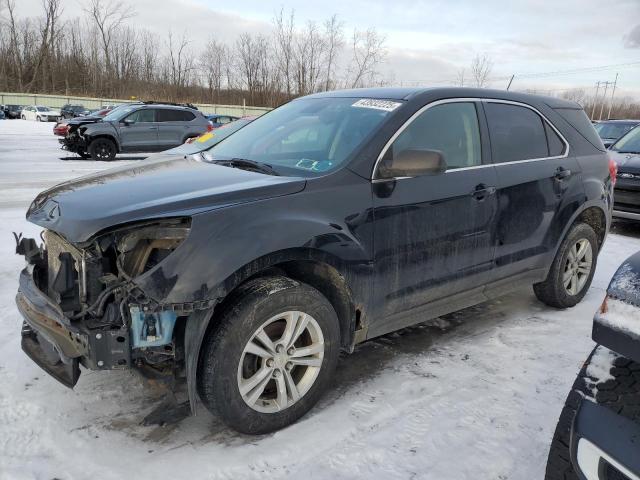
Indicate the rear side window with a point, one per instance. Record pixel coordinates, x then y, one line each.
579 120
556 145
167 115
517 133
451 128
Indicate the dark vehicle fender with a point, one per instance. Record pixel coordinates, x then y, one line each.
595 214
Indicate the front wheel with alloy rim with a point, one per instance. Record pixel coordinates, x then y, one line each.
572 269
269 356
102 149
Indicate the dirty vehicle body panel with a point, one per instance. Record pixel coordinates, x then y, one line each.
171 239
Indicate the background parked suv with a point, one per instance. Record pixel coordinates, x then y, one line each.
71 111
140 128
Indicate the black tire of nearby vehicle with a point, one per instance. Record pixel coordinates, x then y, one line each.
102 149
551 291
251 306
621 394
23 117
38 119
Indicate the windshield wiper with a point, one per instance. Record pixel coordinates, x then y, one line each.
245 164
627 151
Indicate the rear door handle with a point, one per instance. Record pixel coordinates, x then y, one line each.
562 173
482 191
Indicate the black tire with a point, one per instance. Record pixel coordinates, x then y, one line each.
254 304
102 149
552 290
621 394
38 119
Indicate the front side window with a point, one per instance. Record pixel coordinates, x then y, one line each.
451 128
42 109
308 136
517 133
144 115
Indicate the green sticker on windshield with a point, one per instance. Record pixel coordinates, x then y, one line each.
377 104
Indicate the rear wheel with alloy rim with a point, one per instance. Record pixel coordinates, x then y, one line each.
270 356
572 269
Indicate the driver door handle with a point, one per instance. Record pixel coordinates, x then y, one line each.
562 173
481 191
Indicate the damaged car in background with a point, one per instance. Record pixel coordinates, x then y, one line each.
242 271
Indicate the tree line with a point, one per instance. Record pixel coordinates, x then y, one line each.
101 53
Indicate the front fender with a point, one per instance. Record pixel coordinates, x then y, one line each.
228 245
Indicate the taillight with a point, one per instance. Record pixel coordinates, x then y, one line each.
613 170
209 127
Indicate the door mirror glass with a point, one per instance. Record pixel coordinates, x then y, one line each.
128 121
416 162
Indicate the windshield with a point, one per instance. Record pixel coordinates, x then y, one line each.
42 109
77 108
119 112
307 136
613 130
629 143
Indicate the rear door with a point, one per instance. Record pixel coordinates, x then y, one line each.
433 235
139 131
539 186
174 127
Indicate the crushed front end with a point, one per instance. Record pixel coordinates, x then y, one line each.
81 305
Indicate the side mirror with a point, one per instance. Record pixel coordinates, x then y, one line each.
414 163
128 122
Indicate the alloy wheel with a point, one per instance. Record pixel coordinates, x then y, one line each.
577 266
281 362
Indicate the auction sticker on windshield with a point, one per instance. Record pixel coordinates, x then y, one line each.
386 105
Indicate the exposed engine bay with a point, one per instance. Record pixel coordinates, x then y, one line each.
106 321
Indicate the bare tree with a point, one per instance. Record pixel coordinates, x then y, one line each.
107 17
460 77
284 41
481 67
213 66
368 52
334 43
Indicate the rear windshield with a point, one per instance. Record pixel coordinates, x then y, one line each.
579 120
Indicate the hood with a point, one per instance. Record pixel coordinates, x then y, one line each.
627 162
173 187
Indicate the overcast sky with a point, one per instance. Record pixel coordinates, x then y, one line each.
429 41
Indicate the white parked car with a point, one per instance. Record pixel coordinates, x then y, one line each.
40 113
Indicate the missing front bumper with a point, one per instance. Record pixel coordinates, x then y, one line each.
46 357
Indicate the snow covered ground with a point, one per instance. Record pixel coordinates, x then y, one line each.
475 395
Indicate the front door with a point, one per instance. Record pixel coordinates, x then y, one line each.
433 235
139 131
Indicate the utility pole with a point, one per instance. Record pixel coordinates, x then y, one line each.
595 100
512 77
613 92
604 97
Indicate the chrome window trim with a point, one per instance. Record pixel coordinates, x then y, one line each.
467 100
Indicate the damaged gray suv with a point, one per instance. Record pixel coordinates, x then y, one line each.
242 271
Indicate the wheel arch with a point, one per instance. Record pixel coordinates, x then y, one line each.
108 136
314 268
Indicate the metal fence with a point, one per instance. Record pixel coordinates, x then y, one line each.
57 101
